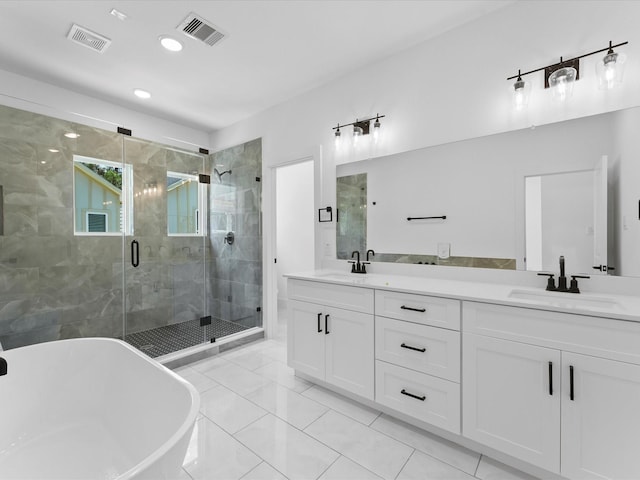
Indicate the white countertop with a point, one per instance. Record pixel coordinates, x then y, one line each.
621 307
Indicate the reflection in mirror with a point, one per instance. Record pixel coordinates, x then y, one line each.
485 188
352 215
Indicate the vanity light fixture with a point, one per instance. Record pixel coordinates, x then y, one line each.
561 76
360 129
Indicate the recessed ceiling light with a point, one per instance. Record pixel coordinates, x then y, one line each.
170 43
138 92
43 162
71 135
118 14
54 150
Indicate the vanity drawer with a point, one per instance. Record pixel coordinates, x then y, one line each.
596 336
429 399
431 350
357 299
436 311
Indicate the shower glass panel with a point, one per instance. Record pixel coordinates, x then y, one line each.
166 249
57 282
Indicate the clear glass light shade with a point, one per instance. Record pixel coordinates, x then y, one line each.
357 134
337 139
610 69
376 131
561 83
521 93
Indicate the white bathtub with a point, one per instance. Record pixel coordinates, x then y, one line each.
92 408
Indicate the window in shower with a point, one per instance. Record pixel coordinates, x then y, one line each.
101 197
186 205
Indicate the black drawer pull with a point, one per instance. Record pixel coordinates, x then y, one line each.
414 348
319 327
421 310
550 378
404 392
326 324
571 395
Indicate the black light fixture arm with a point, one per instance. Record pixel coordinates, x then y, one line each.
609 49
363 120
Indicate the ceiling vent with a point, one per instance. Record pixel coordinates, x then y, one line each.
197 27
87 38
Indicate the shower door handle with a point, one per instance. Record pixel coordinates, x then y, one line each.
135 253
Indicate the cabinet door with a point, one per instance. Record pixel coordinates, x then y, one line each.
510 401
601 425
305 338
349 351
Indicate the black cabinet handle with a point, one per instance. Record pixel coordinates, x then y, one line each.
571 382
326 325
414 348
421 398
319 327
550 378
421 310
135 253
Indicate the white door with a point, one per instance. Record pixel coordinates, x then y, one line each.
511 398
349 351
600 222
305 338
601 425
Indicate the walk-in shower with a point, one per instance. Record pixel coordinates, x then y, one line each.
105 234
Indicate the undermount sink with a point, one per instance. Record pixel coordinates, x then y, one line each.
340 276
564 299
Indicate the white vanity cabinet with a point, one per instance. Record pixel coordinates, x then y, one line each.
560 391
417 363
330 334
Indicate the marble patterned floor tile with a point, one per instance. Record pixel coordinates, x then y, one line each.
197 379
251 360
278 352
214 454
421 466
342 404
283 375
490 469
345 469
229 410
449 452
236 378
208 363
375 451
292 452
264 471
287 405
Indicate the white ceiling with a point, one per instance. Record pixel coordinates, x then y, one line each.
274 50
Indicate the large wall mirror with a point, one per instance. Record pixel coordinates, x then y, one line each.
516 200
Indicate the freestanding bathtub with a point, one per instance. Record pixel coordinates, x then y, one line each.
92 408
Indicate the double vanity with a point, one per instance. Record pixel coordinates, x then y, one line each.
543 379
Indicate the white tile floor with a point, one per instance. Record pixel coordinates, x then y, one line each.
258 421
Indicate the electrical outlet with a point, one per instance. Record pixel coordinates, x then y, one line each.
444 250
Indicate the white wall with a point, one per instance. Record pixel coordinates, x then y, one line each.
295 221
450 88
28 94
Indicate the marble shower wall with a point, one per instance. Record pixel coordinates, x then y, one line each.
53 284
235 271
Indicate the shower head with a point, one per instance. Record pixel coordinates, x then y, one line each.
219 175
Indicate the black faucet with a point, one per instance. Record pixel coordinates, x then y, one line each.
356 266
562 279
3 366
373 254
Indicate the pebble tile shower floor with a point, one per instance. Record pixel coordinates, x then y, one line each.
171 338
259 421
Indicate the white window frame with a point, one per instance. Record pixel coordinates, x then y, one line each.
126 210
200 212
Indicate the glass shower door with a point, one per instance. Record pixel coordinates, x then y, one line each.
165 249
